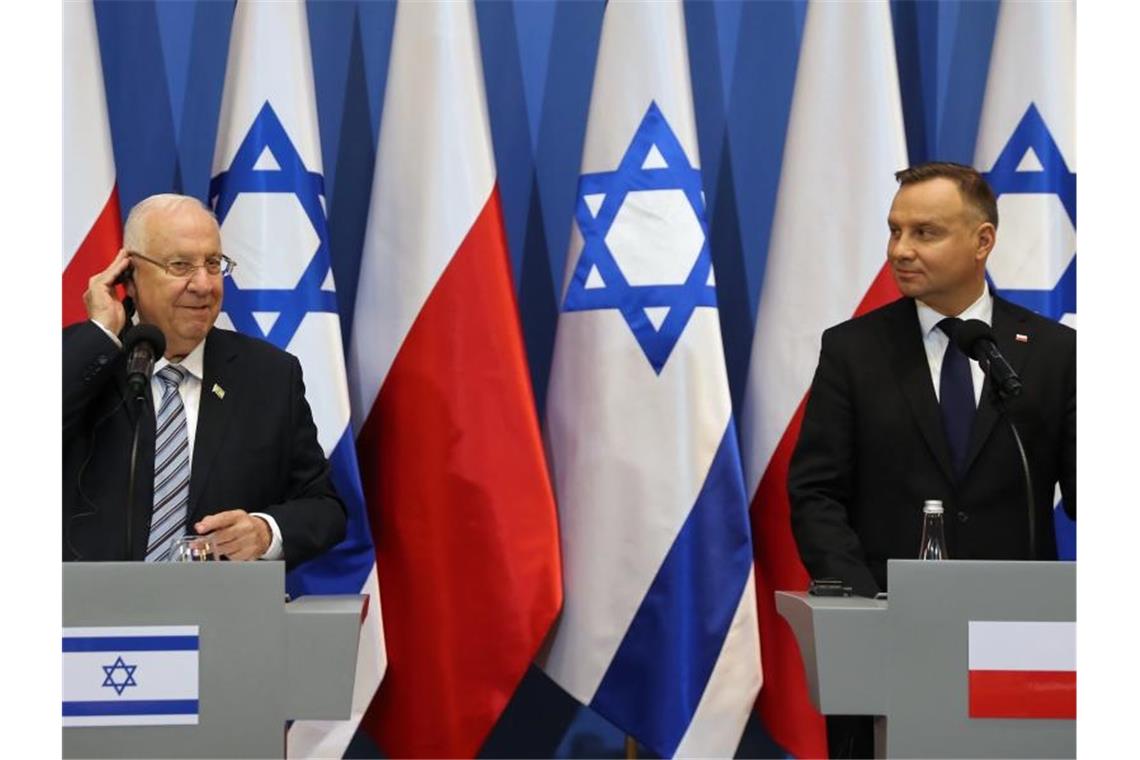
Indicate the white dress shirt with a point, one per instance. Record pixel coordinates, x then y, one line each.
935 341
191 392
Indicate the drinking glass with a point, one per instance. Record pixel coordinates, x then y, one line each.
192 549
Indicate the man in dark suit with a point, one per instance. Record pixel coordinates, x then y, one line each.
886 428
237 451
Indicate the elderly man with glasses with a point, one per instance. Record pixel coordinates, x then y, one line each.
227 444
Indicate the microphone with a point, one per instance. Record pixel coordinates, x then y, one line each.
143 344
975 339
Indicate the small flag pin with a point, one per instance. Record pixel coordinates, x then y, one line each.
1019 337
218 391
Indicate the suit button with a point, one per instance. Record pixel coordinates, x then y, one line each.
963 517
102 359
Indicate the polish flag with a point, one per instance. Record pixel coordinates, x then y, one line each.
1023 669
826 263
92 227
451 456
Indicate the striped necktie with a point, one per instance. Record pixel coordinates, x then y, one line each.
171 466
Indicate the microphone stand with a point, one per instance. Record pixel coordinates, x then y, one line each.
132 475
999 398
140 366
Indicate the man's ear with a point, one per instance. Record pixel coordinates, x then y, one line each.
986 237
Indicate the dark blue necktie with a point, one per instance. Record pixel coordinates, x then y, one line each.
956 397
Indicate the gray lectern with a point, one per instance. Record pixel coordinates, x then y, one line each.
908 659
259 661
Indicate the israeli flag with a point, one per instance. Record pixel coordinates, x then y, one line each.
130 676
1027 150
269 196
658 632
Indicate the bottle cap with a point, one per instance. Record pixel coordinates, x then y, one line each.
932 507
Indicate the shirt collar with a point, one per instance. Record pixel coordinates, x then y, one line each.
193 362
982 309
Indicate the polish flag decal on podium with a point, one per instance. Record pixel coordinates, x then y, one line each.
1023 669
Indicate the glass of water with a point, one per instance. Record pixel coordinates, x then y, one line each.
192 549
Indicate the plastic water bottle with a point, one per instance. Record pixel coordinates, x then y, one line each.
933 544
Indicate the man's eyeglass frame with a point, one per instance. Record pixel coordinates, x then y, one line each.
225 266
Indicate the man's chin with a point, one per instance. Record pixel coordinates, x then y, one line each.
192 335
908 289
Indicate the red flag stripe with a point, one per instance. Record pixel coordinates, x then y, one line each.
784 704
1023 694
462 510
95 252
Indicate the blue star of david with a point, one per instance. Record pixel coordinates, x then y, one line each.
128 671
1053 178
614 291
293 177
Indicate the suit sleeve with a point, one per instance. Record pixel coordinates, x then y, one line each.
1069 436
88 360
312 519
821 478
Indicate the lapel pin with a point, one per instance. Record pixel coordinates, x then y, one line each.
1019 337
218 391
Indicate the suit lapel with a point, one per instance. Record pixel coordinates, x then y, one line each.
1006 326
213 414
908 360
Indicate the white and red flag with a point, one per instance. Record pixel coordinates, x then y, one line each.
826 263
92 226
1023 669
451 456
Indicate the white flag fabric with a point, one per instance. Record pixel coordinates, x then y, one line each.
268 193
826 263
658 632
1027 151
92 226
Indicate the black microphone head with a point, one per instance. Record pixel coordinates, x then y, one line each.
145 333
144 344
968 334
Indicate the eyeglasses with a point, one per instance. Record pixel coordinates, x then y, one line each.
214 265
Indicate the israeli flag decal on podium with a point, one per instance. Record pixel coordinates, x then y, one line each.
130 676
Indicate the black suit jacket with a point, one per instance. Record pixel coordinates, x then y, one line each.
872 448
255 448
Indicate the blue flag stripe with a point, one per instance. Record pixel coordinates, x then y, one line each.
130 643
655 681
343 569
132 707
